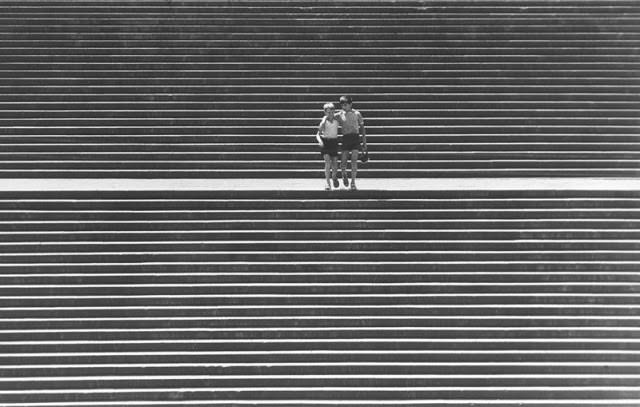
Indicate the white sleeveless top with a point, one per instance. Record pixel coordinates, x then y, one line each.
330 128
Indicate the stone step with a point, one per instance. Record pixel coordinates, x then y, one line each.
318 10
449 65
56 329
534 105
391 122
319 248
487 58
624 302
321 267
451 235
434 371
302 174
15 84
312 256
312 289
365 396
243 157
330 53
312 75
258 8
199 203
346 277
402 146
322 213
454 127
133 318
360 222
309 41
313 100
253 18
406 142
275 382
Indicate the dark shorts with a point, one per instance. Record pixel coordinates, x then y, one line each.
350 142
330 147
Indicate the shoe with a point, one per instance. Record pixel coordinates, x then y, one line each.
353 186
345 181
327 187
336 183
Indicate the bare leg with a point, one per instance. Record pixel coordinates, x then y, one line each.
334 168
354 167
327 168
343 167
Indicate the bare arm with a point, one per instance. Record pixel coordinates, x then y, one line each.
338 118
320 131
363 132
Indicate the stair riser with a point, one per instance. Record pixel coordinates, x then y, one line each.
433 142
443 256
288 174
318 247
434 369
284 383
290 398
456 127
403 147
136 320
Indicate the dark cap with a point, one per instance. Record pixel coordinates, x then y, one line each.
346 99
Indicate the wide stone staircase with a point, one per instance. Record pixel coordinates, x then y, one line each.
294 298
235 89
525 296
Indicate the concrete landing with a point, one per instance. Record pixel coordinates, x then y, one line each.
388 184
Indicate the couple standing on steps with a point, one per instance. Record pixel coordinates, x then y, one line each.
352 125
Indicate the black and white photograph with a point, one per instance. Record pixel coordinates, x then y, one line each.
320 203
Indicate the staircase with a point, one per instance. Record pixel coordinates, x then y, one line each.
220 89
303 298
309 298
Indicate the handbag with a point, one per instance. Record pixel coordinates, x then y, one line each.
363 156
